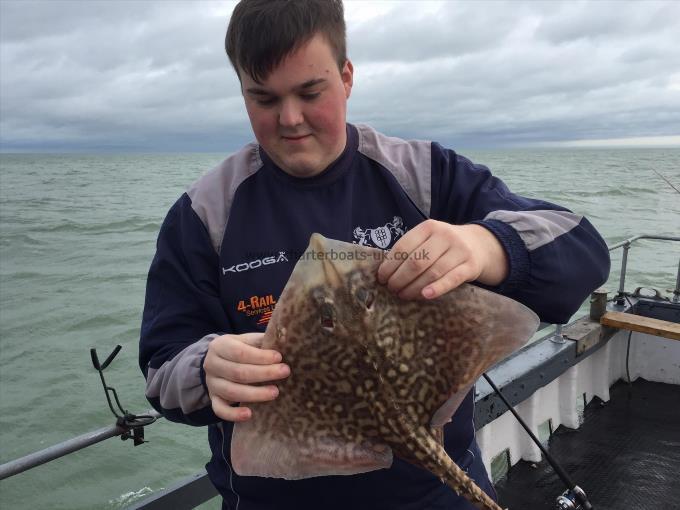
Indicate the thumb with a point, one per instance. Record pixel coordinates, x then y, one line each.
255 339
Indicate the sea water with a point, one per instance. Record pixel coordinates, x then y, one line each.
77 235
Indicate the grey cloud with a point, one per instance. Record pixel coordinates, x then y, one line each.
154 75
105 71
607 19
528 87
407 35
23 20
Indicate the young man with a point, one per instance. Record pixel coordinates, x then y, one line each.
229 244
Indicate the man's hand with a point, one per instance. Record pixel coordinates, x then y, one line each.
234 365
436 257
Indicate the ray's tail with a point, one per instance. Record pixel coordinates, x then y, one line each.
460 482
435 459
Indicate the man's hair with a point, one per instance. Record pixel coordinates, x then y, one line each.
262 33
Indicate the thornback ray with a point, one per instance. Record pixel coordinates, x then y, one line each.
372 375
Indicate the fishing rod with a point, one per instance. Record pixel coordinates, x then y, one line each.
667 181
574 498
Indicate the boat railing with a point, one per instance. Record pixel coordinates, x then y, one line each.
626 245
197 489
74 444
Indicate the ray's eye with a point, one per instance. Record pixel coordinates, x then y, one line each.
365 297
369 300
318 295
327 321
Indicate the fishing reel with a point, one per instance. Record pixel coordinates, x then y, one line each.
573 499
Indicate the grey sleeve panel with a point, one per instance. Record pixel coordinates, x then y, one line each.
212 195
409 161
537 228
178 381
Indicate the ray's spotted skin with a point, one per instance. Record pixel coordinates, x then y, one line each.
372 376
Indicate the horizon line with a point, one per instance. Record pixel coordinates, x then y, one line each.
638 142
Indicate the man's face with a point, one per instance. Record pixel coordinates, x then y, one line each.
298 112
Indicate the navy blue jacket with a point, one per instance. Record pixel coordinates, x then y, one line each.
229 244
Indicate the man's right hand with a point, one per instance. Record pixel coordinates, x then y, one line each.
234 367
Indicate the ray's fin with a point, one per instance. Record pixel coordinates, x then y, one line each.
501 326
258 453
443 415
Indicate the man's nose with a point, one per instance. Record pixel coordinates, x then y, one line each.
290 113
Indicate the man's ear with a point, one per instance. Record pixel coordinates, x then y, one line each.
347 75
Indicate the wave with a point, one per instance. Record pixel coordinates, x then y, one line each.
21 238
95 322
124 500
114 227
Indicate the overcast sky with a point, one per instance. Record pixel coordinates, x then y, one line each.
153 76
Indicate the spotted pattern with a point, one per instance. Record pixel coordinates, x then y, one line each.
369 371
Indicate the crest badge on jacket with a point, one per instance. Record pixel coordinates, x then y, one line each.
381 237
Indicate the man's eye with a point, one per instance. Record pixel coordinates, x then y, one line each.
310 97
266 102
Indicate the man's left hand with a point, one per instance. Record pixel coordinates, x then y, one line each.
436 257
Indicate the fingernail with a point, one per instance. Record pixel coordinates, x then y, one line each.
285 370
428 292
275 392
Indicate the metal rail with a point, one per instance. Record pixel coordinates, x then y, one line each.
32 460
624 263
183 495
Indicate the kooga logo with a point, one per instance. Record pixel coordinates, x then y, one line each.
254 264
